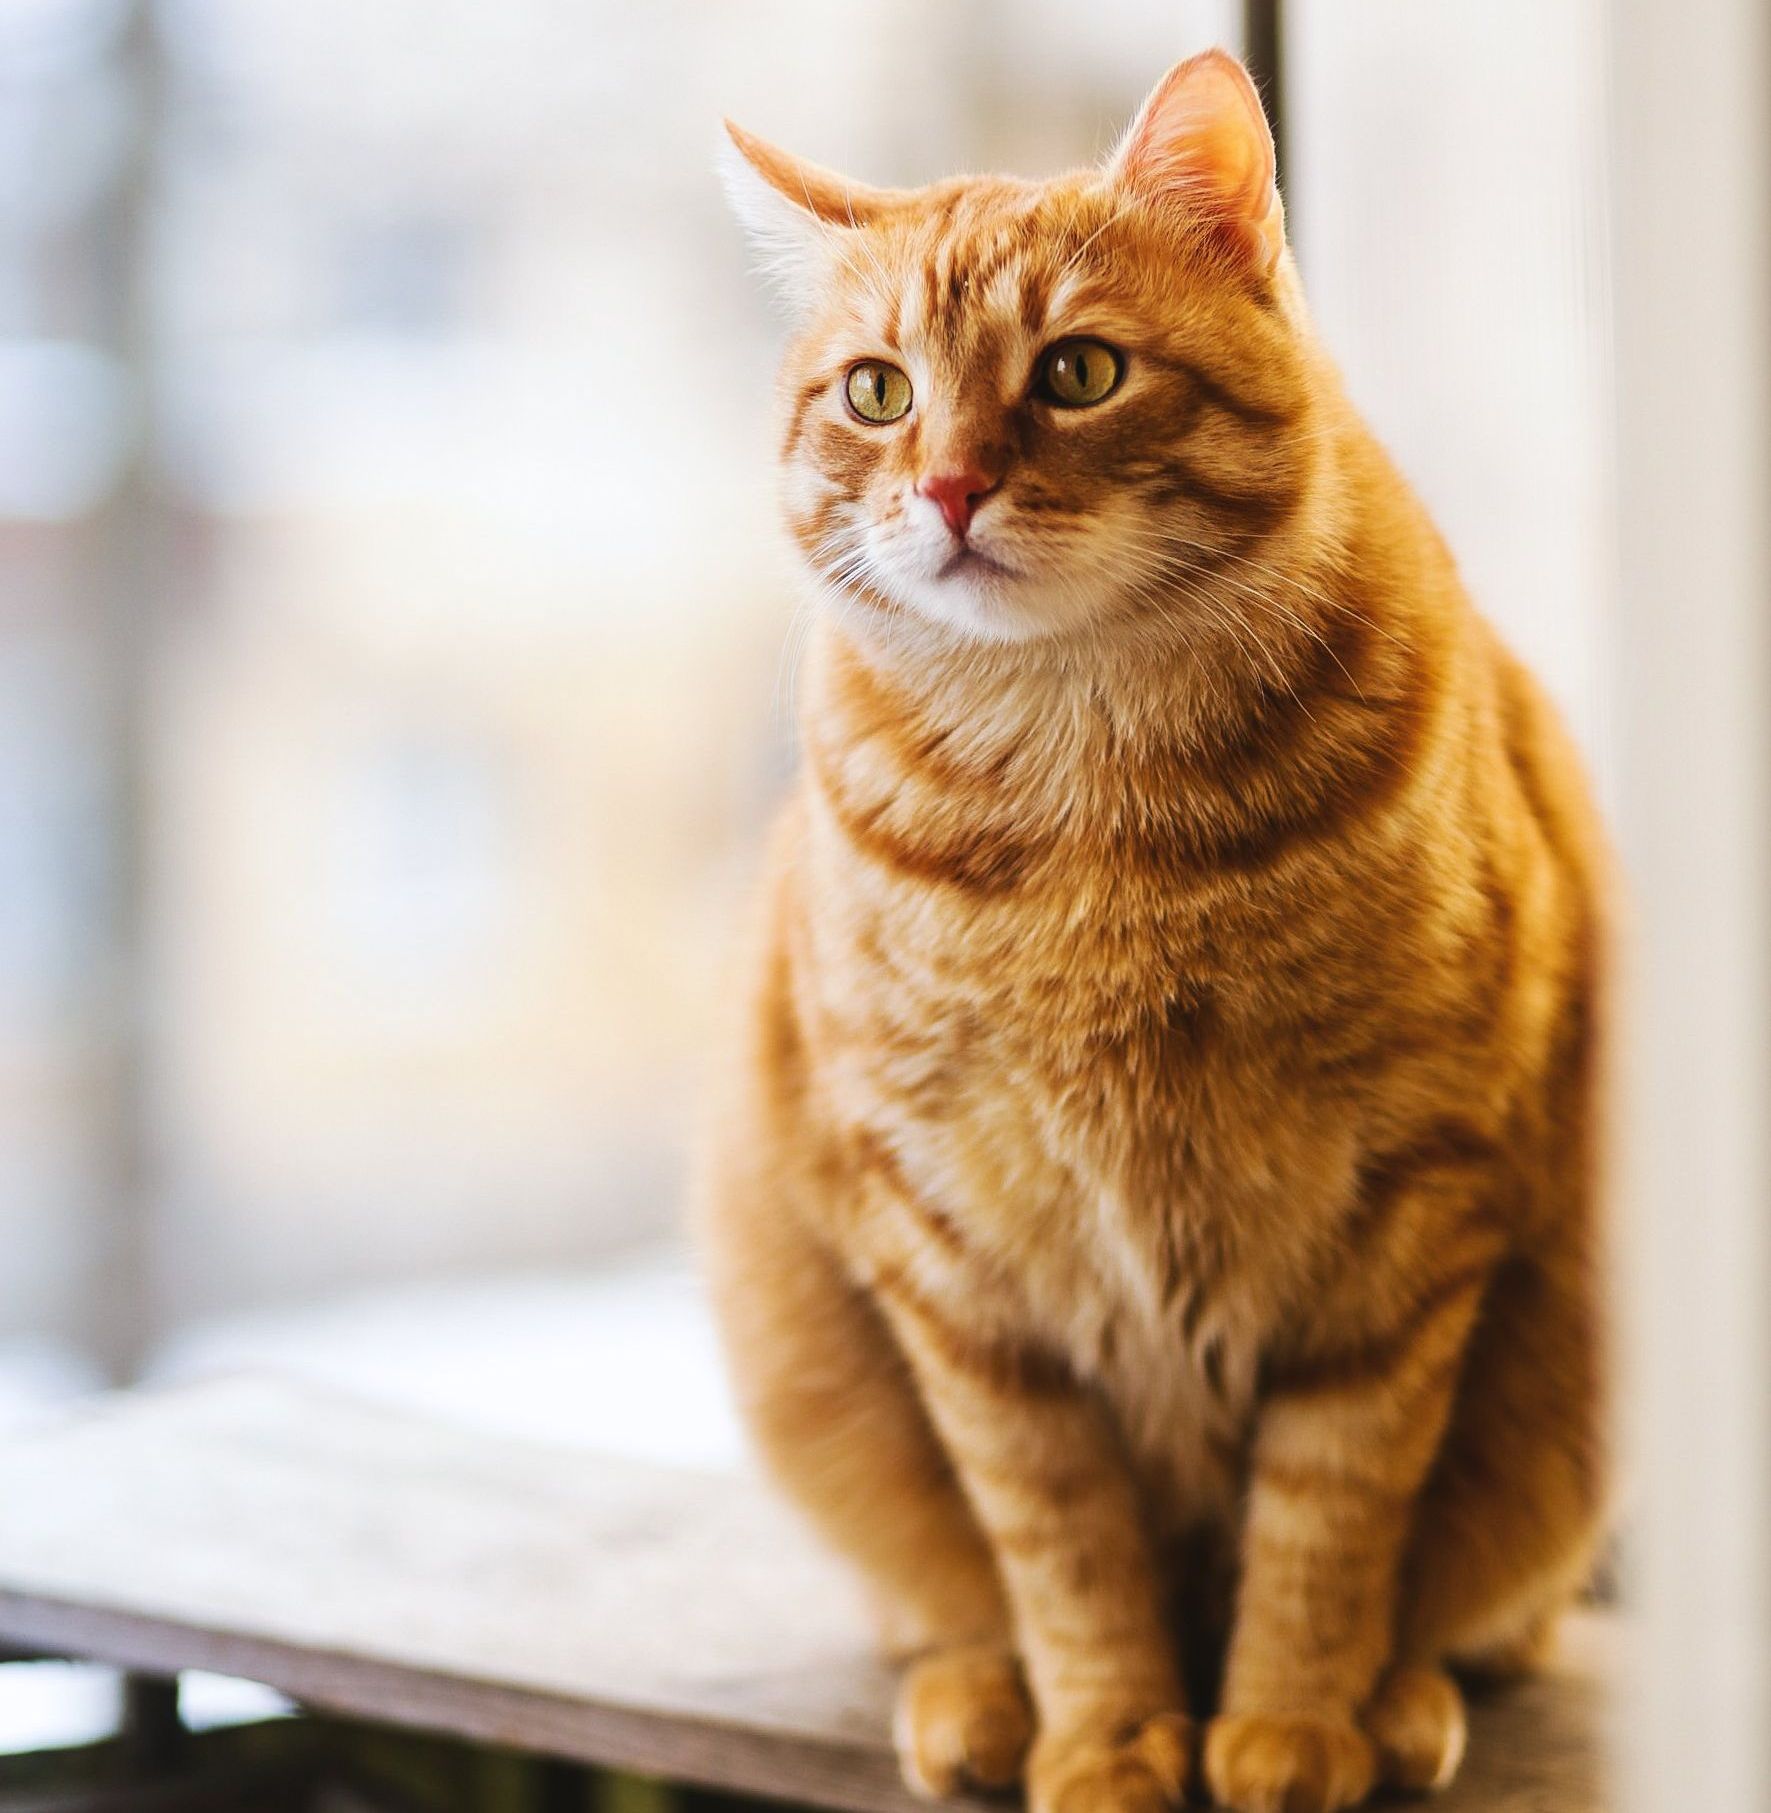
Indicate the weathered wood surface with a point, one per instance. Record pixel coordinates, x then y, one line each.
401 1572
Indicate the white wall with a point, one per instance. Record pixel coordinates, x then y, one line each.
1691 131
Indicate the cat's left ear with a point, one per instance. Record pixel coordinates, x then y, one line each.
795 212
1201 144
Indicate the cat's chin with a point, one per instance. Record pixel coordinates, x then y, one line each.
979 600
987 612
996 608
973 597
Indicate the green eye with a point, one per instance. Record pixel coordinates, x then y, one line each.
877 392
1076 373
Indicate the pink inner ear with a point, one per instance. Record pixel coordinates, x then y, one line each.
1202 135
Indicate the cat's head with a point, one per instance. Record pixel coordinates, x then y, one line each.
1019 409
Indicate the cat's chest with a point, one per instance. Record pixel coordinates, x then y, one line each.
1166 1188
1149 1190
1084 1092
1090 1087
1157 1278
1112 1168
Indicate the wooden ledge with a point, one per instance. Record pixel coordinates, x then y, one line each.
403 1573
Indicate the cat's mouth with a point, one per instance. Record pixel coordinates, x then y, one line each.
968 561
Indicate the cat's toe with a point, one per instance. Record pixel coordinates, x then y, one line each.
964 1721
1140 1769
1259 1763
1416 1719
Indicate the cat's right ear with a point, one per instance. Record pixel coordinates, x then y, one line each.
796 213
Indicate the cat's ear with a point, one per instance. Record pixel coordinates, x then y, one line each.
794 211
1201 142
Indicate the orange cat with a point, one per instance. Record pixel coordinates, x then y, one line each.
1155 1224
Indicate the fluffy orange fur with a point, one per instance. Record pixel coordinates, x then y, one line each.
1155 1216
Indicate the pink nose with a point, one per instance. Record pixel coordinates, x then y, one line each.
958 495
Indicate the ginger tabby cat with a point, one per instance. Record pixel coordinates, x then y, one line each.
1154 1222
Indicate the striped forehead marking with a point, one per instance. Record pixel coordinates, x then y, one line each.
970 293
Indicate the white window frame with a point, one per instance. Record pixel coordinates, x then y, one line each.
1691 173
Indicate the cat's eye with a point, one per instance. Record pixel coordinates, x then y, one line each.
877 392
1078 372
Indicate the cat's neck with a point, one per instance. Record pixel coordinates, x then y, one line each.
1350 604
1198 677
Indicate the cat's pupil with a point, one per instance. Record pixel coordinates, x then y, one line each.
1081 369
879 387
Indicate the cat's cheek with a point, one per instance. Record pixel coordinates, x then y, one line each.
811 505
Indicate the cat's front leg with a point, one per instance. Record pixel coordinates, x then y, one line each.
1053 1490
1344 1441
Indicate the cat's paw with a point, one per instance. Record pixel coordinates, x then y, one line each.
1416 1719
964 1721
1259 1763
1143 1768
